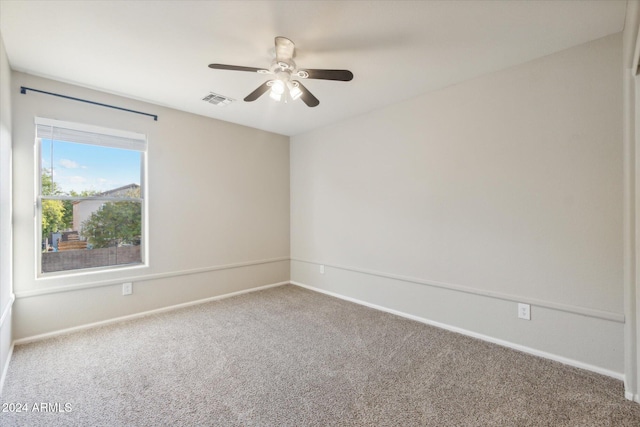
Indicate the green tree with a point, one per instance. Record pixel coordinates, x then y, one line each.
49 188
115 223
52 217
53 211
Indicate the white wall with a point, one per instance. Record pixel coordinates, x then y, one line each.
6 292
456 204
218 211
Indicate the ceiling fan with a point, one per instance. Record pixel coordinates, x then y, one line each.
283 86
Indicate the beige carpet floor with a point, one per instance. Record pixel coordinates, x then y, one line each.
287 356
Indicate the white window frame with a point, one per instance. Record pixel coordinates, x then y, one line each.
105 137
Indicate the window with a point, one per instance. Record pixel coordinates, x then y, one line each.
90 207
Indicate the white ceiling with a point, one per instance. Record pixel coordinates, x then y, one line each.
158 51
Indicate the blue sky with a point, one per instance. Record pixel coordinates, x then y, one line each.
90 167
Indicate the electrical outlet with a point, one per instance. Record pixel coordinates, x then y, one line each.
127 288
322 269
524 311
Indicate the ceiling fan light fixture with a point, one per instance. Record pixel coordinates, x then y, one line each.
277 87
294 90
275 96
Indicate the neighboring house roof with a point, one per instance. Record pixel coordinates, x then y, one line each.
114 192
119 190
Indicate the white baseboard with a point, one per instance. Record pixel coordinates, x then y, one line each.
6 314
508 344
5 368
141 314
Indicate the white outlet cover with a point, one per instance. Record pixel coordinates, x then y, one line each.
322 269
524 311
127 288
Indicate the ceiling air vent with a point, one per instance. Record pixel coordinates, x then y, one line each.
216 99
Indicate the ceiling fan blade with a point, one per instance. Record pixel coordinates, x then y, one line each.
236 68
307 96
341 75
258 92
285 49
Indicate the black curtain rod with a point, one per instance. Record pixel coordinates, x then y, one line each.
24 90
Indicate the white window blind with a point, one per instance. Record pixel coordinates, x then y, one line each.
86 134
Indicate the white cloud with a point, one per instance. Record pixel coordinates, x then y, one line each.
68 164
